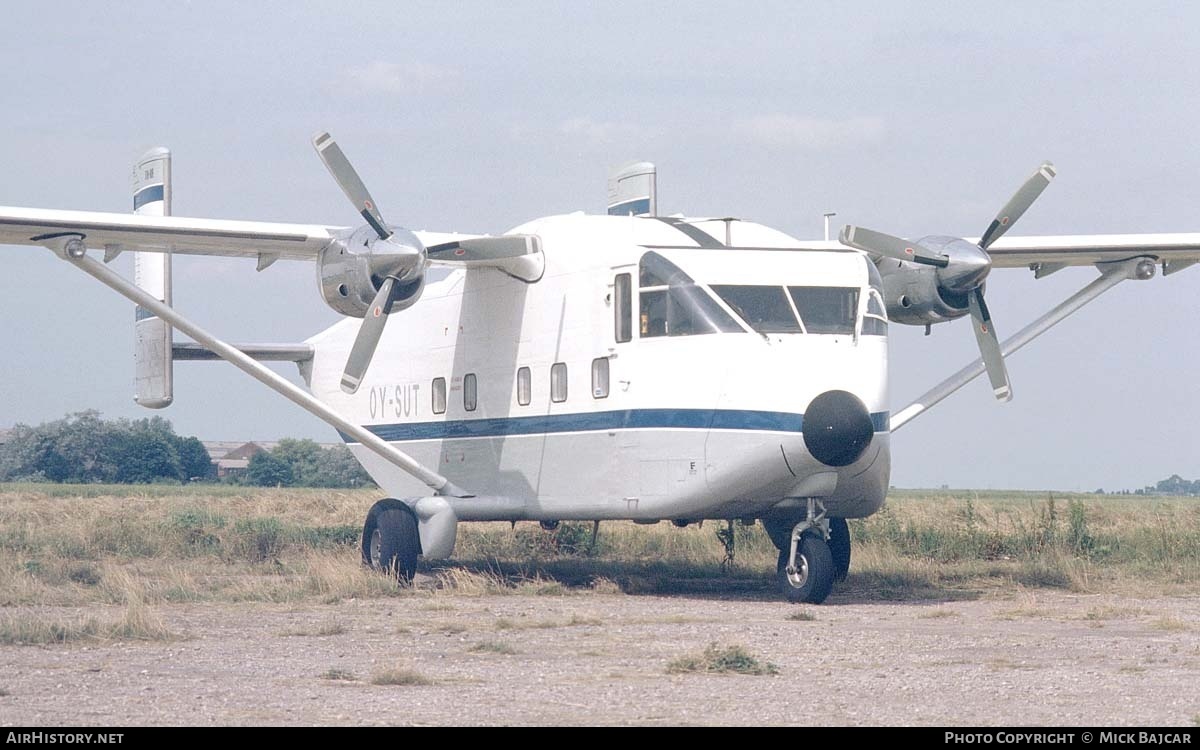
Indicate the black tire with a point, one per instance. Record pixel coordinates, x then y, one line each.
839 547
390 541
814 579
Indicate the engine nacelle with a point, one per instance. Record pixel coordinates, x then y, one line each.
913 295
920 294
351 269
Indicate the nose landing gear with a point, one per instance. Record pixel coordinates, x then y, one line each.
806 568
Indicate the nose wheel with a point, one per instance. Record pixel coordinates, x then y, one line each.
806 569
809 578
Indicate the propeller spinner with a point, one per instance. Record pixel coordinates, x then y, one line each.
962 267
399 264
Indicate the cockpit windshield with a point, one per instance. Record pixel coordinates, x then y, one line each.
793 309
674 305
765 308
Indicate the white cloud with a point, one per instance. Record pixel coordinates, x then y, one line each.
599 131
381 77
799 131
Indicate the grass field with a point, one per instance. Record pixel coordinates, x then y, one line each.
129 549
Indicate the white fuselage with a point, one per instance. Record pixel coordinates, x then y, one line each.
691 426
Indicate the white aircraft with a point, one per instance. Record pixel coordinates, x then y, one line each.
581 367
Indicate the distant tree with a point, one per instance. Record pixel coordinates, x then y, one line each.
72 449
194 461
1172 485
314 466
303 458
337 467
144 456
82 447
267 470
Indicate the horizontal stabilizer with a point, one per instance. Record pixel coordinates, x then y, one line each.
261 352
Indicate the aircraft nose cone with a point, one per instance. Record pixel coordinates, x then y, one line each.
837 428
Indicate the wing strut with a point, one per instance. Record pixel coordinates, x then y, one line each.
73 252
1111 274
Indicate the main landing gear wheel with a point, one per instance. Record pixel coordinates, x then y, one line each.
811 579
839 547
390 542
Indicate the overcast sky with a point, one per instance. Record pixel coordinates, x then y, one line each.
912 118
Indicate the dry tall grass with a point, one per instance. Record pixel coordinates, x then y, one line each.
138 547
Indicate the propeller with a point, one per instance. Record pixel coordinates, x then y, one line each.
348 180
963 266
398 264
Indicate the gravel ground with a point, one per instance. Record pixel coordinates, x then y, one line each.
1030 658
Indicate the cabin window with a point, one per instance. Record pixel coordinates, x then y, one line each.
470 392
826 309
623 307
875 319
524 386
766 308
600 377
439 395
671 304
558 382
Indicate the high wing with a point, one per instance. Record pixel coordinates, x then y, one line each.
237 239
104 231
1062 250
1086 249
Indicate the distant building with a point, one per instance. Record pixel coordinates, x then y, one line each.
233 458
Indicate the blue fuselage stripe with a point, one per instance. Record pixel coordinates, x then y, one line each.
628 419
637 207
147 195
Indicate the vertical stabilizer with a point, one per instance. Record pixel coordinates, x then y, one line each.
633 190
152 272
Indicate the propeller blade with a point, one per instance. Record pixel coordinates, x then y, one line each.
339 166
368 336
868 240
1018 204
989 345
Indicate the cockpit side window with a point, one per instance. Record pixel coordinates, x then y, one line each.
826 309
875 316
873 278
671 304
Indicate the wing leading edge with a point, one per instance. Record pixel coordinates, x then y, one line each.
1087 249
236 239
106 231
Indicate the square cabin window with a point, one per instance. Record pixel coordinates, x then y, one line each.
470 392
439 395
558 382
524 386
600 377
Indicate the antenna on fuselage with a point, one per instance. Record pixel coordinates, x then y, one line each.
828 215
633 190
